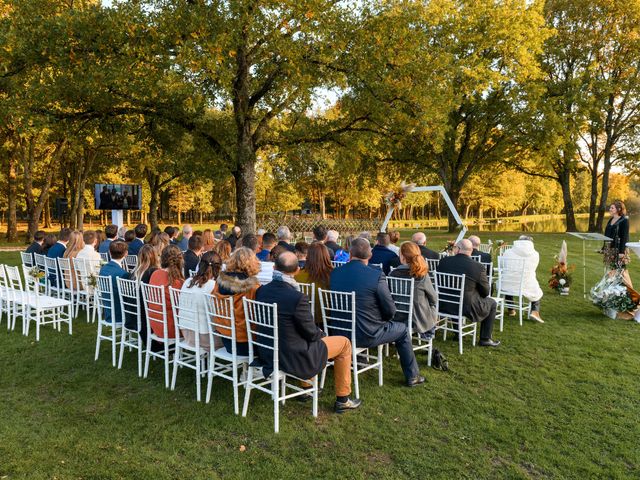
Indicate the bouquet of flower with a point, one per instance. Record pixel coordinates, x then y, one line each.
92 280
611 293
561 271
394 198
499 243
36 273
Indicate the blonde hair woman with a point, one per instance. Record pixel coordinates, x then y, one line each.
208 240
238 280
74 246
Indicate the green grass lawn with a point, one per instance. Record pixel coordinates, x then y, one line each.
558 400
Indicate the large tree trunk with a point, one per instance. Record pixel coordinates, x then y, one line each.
12 218
565 183
245 178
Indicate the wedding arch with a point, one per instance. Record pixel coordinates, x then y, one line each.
435 188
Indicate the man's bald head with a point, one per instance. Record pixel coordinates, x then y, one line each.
475 241
286 262
419 238
465 247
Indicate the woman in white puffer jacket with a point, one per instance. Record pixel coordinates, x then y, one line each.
523 249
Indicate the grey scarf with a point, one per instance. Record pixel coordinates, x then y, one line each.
281 277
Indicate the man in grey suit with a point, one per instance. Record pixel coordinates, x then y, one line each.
477 305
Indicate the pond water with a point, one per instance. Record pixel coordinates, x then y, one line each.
552 225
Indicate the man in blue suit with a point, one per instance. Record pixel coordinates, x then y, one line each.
57 251
138 242
381 253
117 250
375 308
111 232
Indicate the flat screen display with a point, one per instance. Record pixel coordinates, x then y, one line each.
117 196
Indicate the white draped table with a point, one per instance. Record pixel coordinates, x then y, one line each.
634 247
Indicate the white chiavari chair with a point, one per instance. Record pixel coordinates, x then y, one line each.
129 298
450 288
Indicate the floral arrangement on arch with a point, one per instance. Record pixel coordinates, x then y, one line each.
561 271
394 198
448 249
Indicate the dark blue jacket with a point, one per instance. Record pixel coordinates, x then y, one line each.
56 251
113 270
384 256
104 245
374 304
263 255
135 246
301 351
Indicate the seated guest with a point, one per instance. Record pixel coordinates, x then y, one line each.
234 236
50 240
332 242
148 262
137 243
173 234
37 245
74 247
160 241
201 283
57 251
477 305
208 240
268 242
284 238
523 249
317 270
111 232
366 235
342 254
425 300
223 249
238 280
420 239
223 230
394 238
320 235
301 249
484 257
129 237
114 269
170 274
250 241
381 253
187 233
304 349
89 252
192 255
375 308
122 231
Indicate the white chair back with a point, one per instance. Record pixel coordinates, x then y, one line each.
262 321
485 247
504 248
105 257
221 318
130 262
339 313
129 297
450 288
155 306
489 270
184 305
376 265
105 298
510 276
51 269
40 261
67 275
402 294
32 285
336 264
27 259
309 289
475 257
13 278
432 263
192 273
